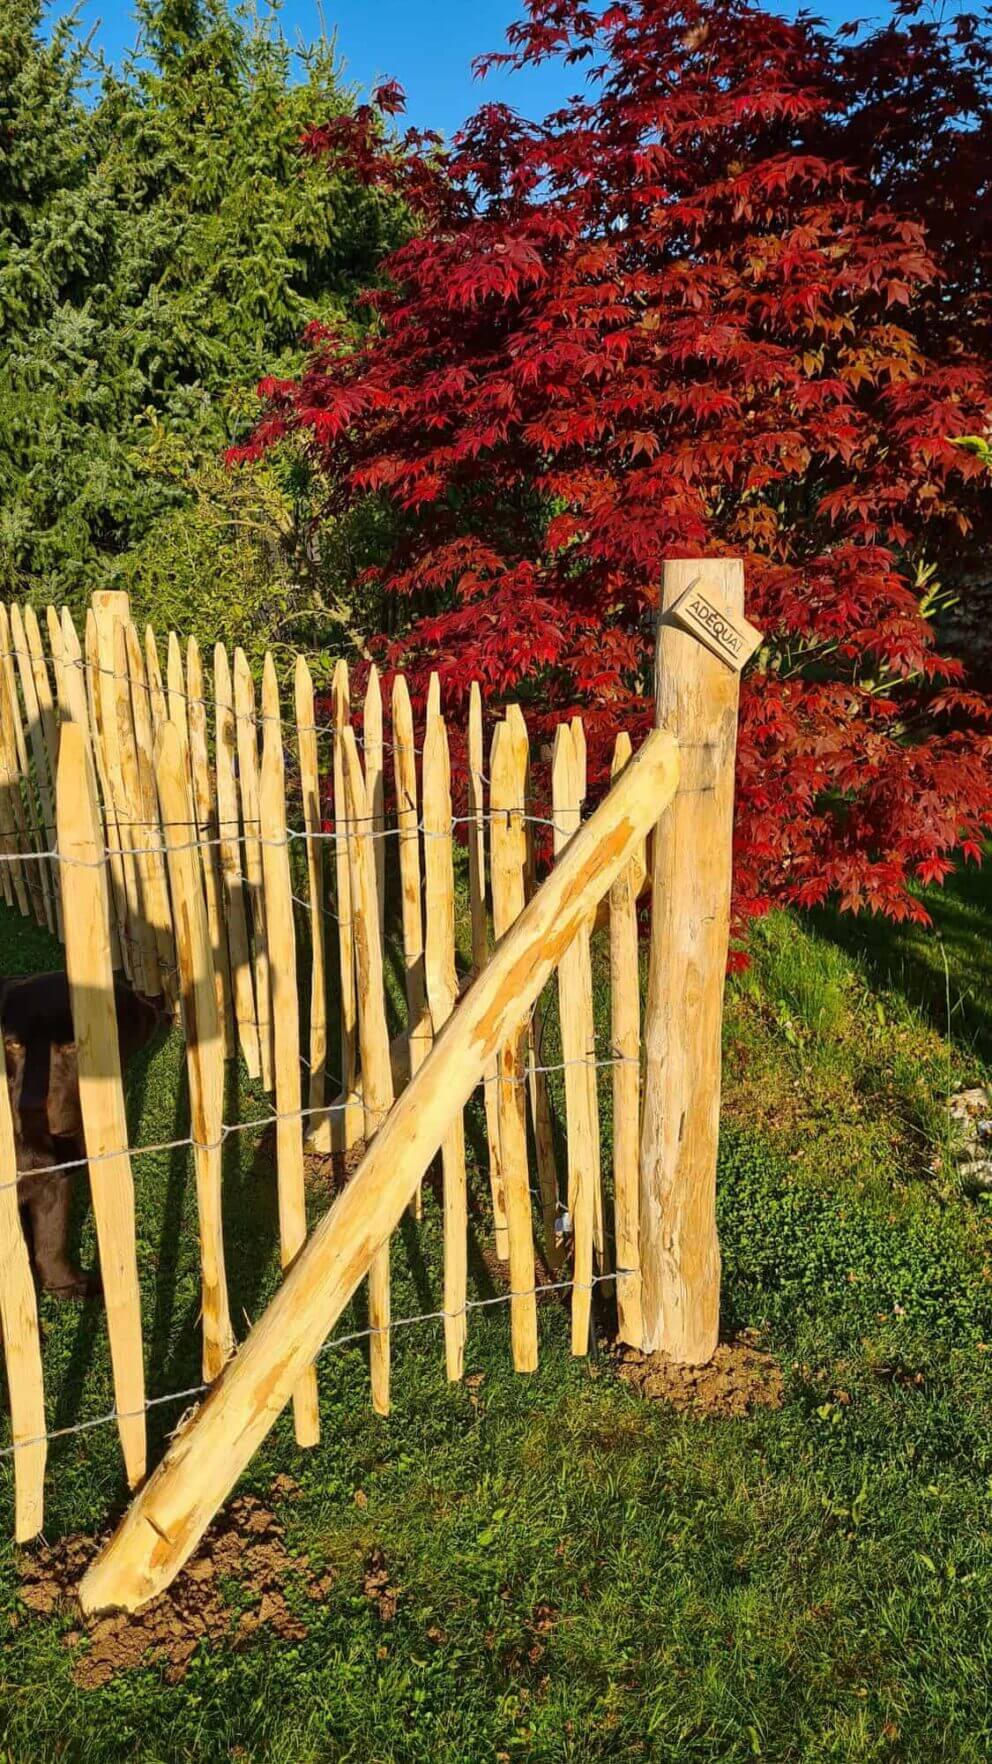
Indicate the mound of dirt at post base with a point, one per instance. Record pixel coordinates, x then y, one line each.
235 1585
740 1377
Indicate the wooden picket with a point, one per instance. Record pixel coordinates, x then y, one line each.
508 847
86 911
19 882
374 783
319 1131
281 936
205 823
373 1034
347 986
154 877
21 1344
121 880
419 1035
600 1249
247 750
36 833
625 1031
229 837
480 950
204 1043
442 994
582 1128
41 713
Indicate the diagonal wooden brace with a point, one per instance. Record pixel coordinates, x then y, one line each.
168 1518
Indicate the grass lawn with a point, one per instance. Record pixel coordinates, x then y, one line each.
575 1573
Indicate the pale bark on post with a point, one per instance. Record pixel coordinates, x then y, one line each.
285 1014
21 1343
204 1047
625 1039
229 837
319 1125
373 1033
247 744
86 915
508 859
577 1048
696 698
203 1462
442 993
480 946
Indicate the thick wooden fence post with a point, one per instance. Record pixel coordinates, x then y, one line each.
86 916
696 697
166 1522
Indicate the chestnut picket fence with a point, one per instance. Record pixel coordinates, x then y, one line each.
252 857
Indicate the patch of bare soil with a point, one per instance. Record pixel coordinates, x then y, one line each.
235 1585
740 1377
377 1585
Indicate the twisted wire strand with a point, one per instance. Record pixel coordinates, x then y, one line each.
337 1342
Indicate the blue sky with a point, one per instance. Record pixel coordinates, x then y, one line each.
428 45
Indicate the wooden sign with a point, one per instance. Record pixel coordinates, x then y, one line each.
726 633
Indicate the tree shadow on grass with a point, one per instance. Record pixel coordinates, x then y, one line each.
956 999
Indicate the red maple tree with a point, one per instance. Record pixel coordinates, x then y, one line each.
731 299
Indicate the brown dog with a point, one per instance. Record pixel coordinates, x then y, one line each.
43 1079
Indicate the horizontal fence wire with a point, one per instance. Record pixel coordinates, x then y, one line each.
337 1342
330 836
344 1101
83 666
